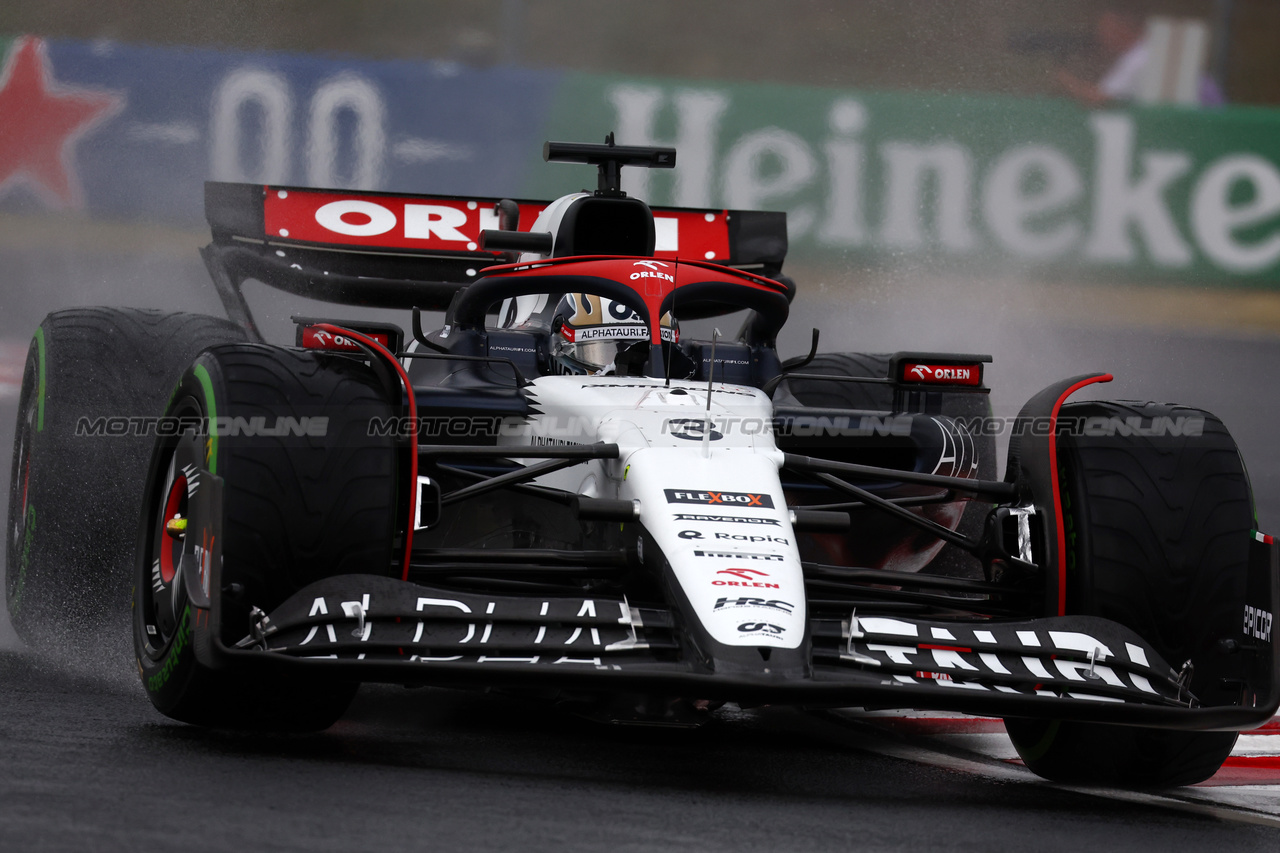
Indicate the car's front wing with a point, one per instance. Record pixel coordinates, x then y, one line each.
374 628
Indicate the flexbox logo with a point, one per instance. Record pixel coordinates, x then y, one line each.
738 499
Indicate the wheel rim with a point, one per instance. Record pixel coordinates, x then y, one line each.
161 599
169 547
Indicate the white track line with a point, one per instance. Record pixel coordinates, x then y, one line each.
1266 744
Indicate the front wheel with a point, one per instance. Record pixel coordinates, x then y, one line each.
1121 756
299 489
1158 516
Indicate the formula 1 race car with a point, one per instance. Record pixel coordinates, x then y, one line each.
558 493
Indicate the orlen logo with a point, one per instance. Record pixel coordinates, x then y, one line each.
740 499
748 579
386 221
745 574
944 374
313 338
654 271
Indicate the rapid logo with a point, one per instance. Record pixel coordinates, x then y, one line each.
689 534
743 537
744 601
743 499
725 519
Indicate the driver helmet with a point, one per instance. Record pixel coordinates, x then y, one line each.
599 336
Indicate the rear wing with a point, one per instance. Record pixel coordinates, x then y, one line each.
398 250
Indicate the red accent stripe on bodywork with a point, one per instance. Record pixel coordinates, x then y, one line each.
1057 495
622 269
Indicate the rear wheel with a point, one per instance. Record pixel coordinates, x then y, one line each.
1157 526
305 490
94 382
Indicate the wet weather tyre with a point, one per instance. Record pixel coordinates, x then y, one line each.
1120 756
81 448
304 490
1157 526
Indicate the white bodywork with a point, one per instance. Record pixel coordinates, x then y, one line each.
715 507
549 220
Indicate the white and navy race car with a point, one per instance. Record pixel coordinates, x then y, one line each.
559 490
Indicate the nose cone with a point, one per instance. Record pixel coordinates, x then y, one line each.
724 531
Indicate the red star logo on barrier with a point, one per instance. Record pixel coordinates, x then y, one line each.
40 123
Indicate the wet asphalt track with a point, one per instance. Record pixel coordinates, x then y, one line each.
86 764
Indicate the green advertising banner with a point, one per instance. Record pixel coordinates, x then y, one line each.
965 181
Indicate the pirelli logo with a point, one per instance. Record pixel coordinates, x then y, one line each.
708 498
739 555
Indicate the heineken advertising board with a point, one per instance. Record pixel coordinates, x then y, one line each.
866 178
1166 192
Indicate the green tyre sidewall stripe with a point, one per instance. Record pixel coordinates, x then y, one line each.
202 376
